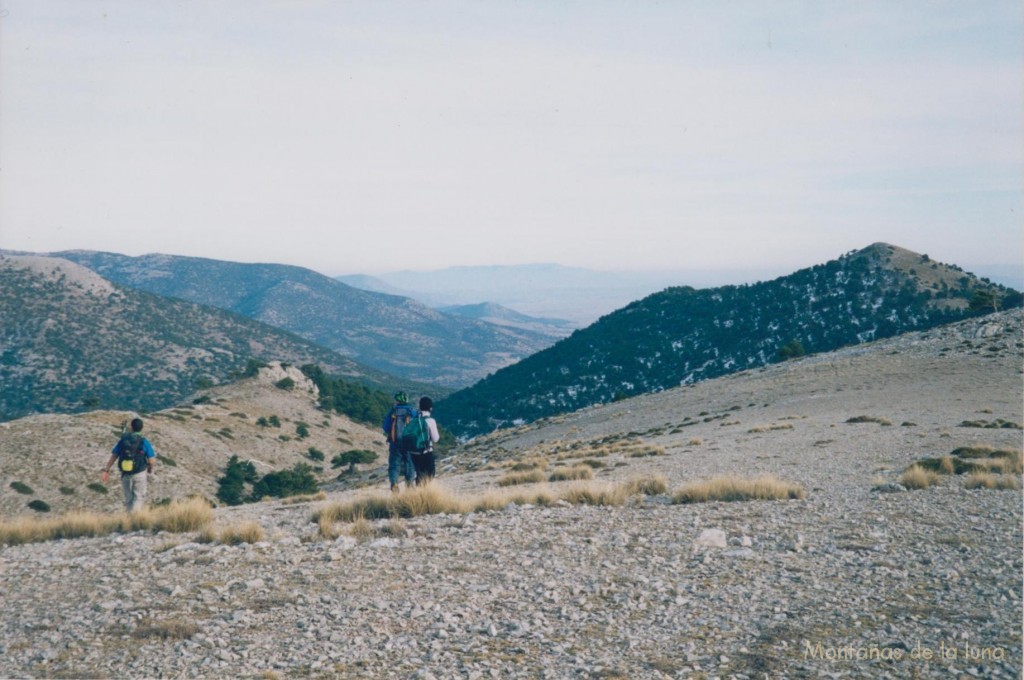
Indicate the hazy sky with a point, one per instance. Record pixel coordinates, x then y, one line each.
370 136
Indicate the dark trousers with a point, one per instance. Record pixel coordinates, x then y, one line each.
425 466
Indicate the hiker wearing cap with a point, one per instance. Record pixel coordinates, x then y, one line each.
399 460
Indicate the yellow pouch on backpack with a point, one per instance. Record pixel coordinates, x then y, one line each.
126 465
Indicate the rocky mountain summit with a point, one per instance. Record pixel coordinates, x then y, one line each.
863 577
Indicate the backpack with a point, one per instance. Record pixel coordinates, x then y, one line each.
131 457
415 436
401 415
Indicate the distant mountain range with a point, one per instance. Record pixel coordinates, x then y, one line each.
70 340
546 291
578 295
393 334
503 316
683 335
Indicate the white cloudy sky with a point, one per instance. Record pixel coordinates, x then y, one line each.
373 136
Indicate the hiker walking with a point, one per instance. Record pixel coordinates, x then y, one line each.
423 461
399 459
134 456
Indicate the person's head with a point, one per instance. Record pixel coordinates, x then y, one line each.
136 424
400 398
426 403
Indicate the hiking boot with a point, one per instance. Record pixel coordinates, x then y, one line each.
394 488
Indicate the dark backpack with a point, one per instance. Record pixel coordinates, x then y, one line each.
415 436
131 456
401 415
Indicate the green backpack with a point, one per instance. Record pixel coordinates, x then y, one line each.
415 436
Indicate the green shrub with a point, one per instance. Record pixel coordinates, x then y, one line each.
67 491
352 458
302 430
21 487
39 506
298 480
285 384
315 454
97 487
231 486
167 460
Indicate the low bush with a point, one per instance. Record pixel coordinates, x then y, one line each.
67 491
39 505
97 487
21 487
869 419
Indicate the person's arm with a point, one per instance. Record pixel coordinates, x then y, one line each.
110 463
150 455
432 426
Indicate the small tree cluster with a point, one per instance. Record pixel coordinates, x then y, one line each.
298 480
232 484
353 457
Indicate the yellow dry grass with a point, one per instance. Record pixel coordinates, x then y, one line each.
527 477
987 480
574 473
916 477
432 499
732 488
178 517
246 532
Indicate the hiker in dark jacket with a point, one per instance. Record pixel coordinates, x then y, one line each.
134 456
399 461
424 461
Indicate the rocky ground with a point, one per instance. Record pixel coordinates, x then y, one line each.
848 582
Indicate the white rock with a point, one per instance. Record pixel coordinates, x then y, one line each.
711 538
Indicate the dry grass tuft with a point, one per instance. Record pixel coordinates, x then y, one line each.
497 500
528 477
595 494
360 529
917 477
770 428
574 473
654 485
247 532
433 499
172 629
696 441
178 517
309 498
527 464
987 480
765 487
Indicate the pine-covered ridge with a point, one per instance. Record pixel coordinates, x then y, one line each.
393 334
71 340
683 335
